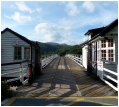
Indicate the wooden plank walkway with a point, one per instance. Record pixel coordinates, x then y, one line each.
65 78
88 85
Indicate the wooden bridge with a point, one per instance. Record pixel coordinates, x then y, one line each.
63 77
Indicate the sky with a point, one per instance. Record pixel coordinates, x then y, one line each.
57 21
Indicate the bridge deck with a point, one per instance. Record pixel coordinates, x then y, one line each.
64 78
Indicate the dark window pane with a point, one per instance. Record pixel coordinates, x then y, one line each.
111 44
112 59
104 45
104 55
17 53
111 55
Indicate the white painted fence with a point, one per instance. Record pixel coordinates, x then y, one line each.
47 60
110 75
21 69
109 70
76 58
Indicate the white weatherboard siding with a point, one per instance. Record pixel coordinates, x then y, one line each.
84 56
7 49
7 46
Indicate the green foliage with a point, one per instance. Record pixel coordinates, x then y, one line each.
5 91
70 50
48 49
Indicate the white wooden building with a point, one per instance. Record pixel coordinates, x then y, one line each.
15 48
100 53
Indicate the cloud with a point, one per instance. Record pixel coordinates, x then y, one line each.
20 18
72 9
49 31
88 6
23 7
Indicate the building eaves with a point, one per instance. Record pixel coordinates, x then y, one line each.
109 27
103 32
19 36
94 31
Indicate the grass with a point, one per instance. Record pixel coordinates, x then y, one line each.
5 91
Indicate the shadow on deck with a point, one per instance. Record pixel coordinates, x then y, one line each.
73 82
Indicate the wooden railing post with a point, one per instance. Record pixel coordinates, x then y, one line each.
117 76
21 73
102 70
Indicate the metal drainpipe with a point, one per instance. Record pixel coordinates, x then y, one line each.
31 53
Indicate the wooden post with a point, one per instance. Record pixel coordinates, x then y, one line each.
102 70
21 73
117 76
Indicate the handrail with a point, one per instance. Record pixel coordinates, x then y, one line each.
21 70
75 58
11 63
22 67
46 60
110 75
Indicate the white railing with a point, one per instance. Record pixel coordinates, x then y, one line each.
47 60
76 58
18 70
109 74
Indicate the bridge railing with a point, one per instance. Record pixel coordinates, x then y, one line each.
76 58
110 76
19 70
47 60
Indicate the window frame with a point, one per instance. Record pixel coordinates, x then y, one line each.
17 53
107 48
29 53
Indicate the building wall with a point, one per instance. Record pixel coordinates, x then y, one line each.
112 34
84 56
7 46
116 48
8 41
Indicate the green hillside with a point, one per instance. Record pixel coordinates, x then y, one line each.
60 49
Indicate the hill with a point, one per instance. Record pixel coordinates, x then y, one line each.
61 49
52 43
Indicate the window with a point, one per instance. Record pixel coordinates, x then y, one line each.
103 54
110 43
105 50
110 55
26 53
103 43
17 53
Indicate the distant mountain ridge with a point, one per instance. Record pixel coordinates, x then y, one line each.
56 48
53 43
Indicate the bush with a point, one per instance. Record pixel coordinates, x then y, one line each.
5 91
